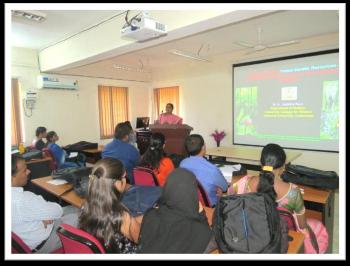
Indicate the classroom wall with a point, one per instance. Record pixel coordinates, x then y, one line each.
72 114
206 95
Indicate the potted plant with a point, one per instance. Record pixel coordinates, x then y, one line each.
218 136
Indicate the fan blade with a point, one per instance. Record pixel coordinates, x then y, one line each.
245 44
281 44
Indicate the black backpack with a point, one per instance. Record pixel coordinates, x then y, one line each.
79 177
247 223
33 154
81 145
303 175
71 174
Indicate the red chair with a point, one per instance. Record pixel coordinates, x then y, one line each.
288 217
76 241
145 177
203 196
19 247
48 153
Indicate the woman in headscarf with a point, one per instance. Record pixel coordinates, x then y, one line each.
179 225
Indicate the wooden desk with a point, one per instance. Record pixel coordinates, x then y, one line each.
56 190
32 161
93 155
72 198
248 157
294 246
93 151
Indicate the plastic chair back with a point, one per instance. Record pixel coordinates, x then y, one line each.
76 241
145 177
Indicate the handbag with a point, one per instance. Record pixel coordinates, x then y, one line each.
316 242
316 236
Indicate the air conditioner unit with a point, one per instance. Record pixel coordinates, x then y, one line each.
48 82
143 29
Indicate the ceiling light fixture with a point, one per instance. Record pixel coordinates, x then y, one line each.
129 68
188 55
31 15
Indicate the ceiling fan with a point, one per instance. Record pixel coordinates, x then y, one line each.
260 46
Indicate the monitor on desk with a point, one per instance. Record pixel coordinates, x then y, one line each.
142 122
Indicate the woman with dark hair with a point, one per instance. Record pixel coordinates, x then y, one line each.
103 215
59 154
168 117
269 181
155 159
38 142
286 195
179 225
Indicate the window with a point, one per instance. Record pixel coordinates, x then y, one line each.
162 96
16 129
113 108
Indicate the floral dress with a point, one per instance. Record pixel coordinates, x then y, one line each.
125 245
292 200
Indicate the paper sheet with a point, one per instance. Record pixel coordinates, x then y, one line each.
73 154
227 170
57 182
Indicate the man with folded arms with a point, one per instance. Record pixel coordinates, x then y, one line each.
34 219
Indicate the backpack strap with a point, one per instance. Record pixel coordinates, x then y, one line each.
313 239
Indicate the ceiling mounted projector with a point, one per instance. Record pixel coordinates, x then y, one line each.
143 28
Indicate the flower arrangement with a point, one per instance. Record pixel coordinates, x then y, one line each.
218 136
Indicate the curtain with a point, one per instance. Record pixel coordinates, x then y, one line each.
156 103
16 129
113 108
162 96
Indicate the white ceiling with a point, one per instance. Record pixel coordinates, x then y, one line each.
276 27
213 44
59 25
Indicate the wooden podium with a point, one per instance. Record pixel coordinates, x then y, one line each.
174 137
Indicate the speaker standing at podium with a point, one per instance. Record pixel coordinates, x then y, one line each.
168 117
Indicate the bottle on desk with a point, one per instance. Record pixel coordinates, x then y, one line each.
21 148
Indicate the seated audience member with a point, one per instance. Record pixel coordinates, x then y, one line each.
287 195
103 215
168 117
59 153
206 173
120 149
179 225
132 134
34 219
38 142
155 159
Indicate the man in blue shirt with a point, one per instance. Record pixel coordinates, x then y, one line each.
206 173
120 149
